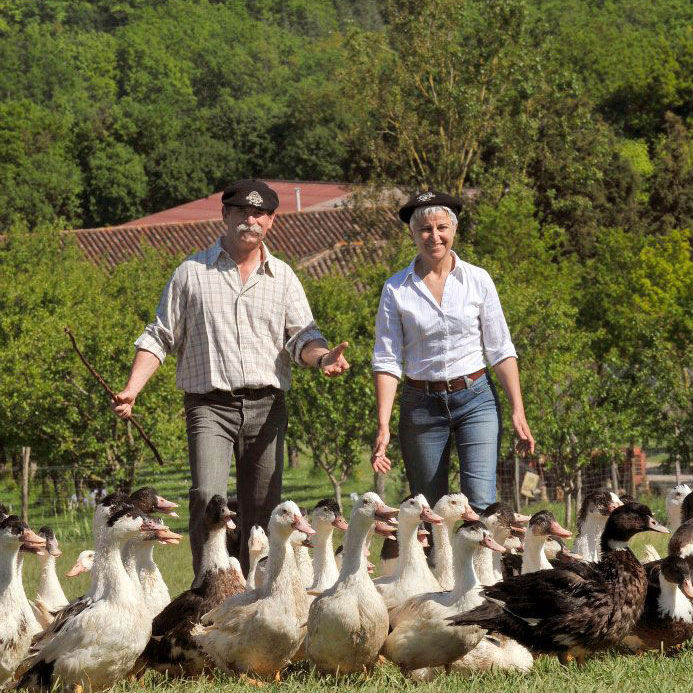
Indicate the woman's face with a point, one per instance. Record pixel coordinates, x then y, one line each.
433 236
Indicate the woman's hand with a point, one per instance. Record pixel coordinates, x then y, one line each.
379 460
525 442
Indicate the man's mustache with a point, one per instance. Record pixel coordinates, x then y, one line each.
253 228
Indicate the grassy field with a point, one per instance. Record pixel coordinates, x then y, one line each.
652 672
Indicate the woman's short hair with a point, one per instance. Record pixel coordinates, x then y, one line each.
421 212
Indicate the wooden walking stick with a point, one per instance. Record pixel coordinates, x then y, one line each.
111 394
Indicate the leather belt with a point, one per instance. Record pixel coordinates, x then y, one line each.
460 383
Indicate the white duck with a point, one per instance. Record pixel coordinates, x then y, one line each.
420 634
83 564
674 501
451 508
138 559
594 512
326 516
15 633
300 543
500 520
542 525
413 576
258 548
95 641
50 597
347 623
260 631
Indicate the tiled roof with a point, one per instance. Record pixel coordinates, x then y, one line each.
314 196
319 242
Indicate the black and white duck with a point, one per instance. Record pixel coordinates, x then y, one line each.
591 520
579 609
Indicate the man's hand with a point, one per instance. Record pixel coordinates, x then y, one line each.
123 404
334 363
379 460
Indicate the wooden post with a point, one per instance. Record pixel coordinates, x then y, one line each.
568 498
578 490
516 464
677 468
631 466
26 455
614 477
292 454
379 484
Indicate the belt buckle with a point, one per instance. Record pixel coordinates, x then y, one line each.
448 385
467 382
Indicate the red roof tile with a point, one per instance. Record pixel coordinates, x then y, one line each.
314 196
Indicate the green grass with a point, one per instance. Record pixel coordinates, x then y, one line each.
651 672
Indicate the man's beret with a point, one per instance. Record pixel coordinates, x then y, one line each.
430 198
250 192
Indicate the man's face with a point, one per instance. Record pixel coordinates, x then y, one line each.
247 226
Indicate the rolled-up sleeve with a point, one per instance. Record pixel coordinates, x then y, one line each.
495 334
389 338
165 335
300 326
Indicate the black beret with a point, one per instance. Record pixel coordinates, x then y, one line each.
250 192
430 198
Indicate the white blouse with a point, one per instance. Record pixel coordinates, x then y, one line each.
427 341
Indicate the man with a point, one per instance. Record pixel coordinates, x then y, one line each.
236 317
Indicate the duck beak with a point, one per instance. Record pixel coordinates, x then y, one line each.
518 517
558 531
307 543
687 588
226 516
340 523
489 543
423 539
370 567
427 515
166 536
76 569
166 506
653 525
469 515
301 524
518 531
151 525
32 541
385 530
385 512
54 551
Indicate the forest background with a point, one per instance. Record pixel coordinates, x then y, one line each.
571 120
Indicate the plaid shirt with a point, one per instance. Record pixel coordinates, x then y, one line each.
227 335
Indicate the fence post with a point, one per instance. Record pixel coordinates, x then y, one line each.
26 454
379 484
516 464
677 468
578 490
614 477
631 466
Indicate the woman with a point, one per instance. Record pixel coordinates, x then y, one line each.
438 321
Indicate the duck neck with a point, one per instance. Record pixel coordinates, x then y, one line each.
325 571
534 557
465 576
353 557
673 602
215 557
281 564
10 581
484 568
587 543
442 543
50 590
674 515
412 558
109 577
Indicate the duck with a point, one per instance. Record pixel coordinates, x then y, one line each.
452 508
348 622
259 631
171 649
674 502
542 525
667 619
138 559
258 548
300 543
50 597
96 640
326 517
389 551
15 631
579 609
502 521
83 564
594 512
413 576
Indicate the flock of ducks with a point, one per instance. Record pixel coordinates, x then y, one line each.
495 590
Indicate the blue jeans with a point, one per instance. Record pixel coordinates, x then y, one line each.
428 421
